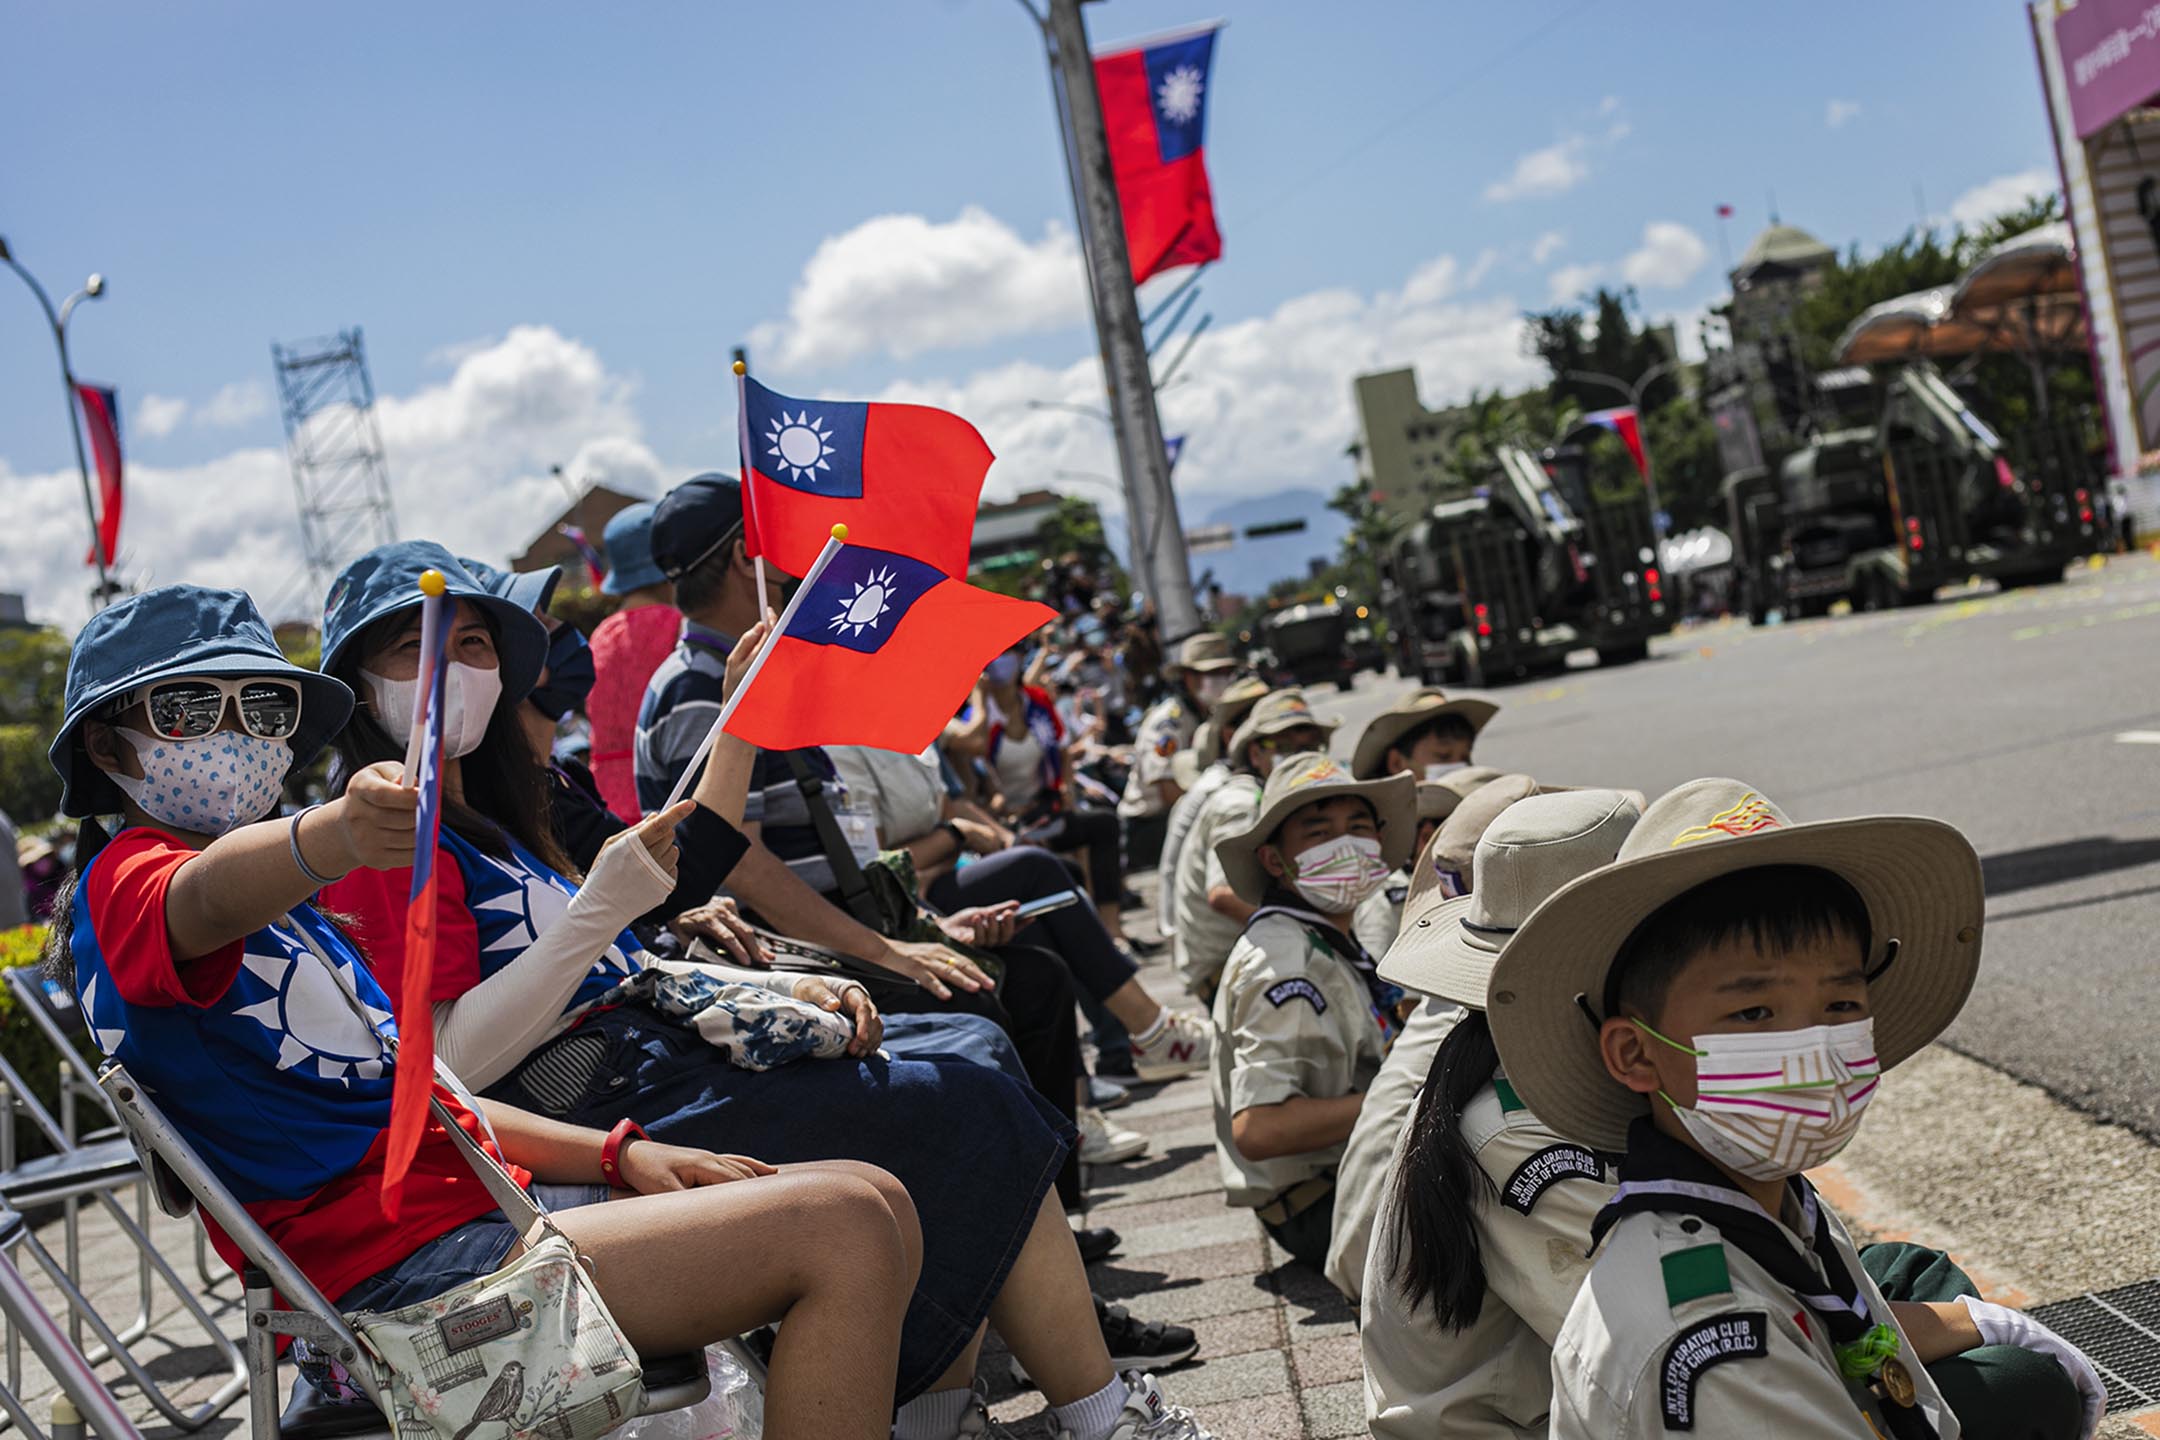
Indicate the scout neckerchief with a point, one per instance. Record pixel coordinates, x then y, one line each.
1345 947
1659 1174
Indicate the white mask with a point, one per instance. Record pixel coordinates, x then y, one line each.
1210 687
469 697
1434 772
1774 1103
208 785
1337 875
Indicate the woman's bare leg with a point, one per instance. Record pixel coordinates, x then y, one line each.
824 1248
1047 1315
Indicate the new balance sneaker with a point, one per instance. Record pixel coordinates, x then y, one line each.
1102 1143
1182 1048
1134 1344
1148 1416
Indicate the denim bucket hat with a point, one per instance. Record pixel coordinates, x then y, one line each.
628 542
386 581
171 631
533 589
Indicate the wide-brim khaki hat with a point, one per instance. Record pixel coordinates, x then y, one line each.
1224 717
1454 843
1419 707
1303 780
1203 653
1439 799
1919 879
1530 849
1276 712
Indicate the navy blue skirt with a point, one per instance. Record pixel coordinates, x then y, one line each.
976 1150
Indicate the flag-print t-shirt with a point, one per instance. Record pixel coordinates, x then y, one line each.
255 1054
487 911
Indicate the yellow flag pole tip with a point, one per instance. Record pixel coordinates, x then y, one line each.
741 369
432 582
839 532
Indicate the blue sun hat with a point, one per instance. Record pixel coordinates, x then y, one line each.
533 589
628 542
385 582
173 631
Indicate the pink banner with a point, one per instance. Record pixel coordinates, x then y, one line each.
2110 59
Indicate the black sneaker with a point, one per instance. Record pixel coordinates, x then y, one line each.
1133 1344
1095 1244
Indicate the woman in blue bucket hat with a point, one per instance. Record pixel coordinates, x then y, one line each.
200 964
543 997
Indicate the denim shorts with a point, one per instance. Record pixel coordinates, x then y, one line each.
476 1248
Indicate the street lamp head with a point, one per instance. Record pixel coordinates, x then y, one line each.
94 286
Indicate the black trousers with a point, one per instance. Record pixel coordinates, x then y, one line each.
1076 932
1089 830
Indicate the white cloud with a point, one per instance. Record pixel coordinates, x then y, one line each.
1991 198
234 404
1837 112
1550 171
903 284
1546 246
1430 282
1669 255
468 461
1610 105
157 415
1570 282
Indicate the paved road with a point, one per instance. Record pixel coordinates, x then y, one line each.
1999 713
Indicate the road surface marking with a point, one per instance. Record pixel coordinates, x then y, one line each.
2138 737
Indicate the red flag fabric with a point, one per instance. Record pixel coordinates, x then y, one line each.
1724 212
415 1075
1154 107
881 650
905 477
101 417
1624 423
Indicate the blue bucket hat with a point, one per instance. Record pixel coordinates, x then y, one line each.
533 589
172 631
628 542
385 582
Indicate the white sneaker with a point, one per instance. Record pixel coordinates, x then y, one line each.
1182 1048
976 1420
1102 1143
1147 1416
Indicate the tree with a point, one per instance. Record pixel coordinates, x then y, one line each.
33 691
1607 341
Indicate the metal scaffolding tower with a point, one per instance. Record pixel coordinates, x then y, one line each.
339 477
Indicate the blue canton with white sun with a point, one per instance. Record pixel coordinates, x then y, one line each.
815 446
861 598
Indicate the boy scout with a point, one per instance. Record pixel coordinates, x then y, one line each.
1720 1004
1199 773
1304 1020
1209 914
1197 678
1381 915
1427 733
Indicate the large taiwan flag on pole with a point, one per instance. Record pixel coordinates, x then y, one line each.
1154 107
905 478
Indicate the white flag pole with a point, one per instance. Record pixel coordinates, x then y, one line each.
432 588
742 452
757 663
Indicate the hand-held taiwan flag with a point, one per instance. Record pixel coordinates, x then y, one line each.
908 474
415 1078
584 547
101 417
877 649
1623 422
1154 109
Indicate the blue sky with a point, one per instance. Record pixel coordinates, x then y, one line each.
554 222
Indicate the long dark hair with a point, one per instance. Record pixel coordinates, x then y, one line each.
506 787
1439 1184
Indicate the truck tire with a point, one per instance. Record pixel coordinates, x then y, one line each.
1469 665
1624 654
1346 682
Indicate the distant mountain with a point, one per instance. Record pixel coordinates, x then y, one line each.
1250 566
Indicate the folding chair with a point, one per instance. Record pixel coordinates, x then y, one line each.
181 1182
98 1171
26 1317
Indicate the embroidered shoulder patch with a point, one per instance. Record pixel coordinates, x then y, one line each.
1396 894
1284 992
1547 1168
1708 1345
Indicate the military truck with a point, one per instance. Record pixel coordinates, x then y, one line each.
1533 564
1901 489
1308 644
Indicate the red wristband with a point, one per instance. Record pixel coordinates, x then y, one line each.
611 1148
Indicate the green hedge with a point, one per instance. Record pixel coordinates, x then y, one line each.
29 786
26 1047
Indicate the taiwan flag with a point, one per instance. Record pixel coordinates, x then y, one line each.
878 649
905 477
1154 107
1625 423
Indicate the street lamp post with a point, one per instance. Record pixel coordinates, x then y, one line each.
92 289
1634 393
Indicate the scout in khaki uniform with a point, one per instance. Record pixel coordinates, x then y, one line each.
1721 1004
1483 1236
1380 916
1427 733
1199 773
1304 1020
1210 915
1198 677
1367 1159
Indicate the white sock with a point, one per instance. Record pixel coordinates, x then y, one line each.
935 1416
1093 1417
1148 1036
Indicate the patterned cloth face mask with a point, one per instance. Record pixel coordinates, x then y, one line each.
208 785
1337 875
1770 1104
